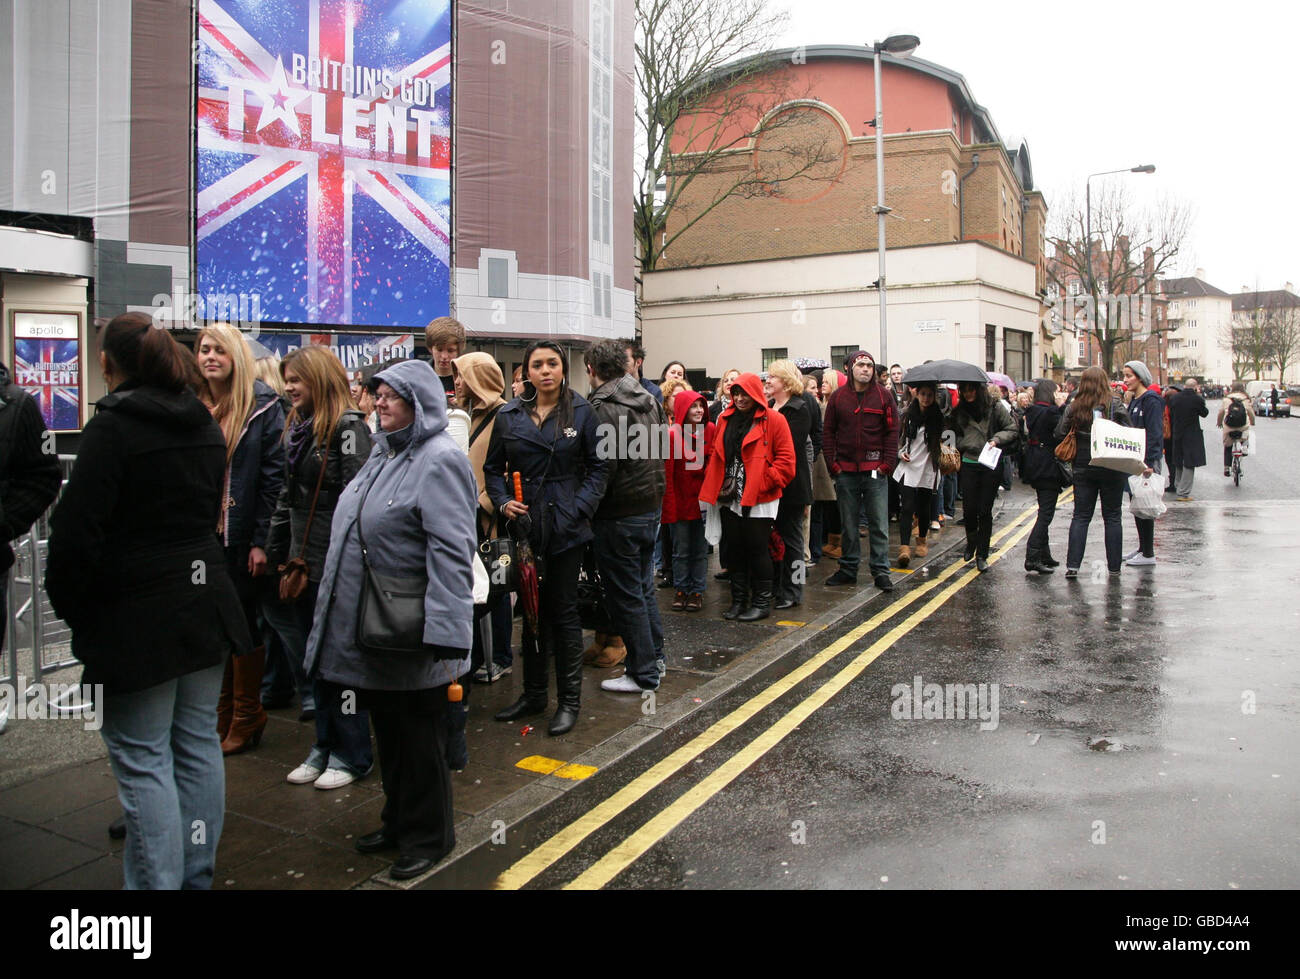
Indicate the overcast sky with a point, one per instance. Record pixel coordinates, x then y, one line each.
1206 92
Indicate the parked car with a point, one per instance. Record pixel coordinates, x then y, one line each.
1264 404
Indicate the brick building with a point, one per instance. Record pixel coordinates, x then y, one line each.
966 237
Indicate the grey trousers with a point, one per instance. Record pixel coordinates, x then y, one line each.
1183 481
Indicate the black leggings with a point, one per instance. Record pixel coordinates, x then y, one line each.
979 490
916 502
1047 493
745 541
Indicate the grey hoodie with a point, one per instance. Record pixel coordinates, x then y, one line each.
418 515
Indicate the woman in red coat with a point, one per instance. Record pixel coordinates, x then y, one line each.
753 459
690 441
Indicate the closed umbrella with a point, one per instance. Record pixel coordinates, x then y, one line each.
946 372
528 589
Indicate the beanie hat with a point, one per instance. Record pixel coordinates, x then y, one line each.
1141 370
848 361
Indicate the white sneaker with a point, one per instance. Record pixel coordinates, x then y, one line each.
335 778
1140 561
1132 554
303 774
621 684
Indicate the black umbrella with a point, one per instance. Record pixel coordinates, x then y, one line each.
946 372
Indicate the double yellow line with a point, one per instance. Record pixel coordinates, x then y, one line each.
632 848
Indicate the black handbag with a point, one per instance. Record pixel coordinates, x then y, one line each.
501 559
390 613
591 595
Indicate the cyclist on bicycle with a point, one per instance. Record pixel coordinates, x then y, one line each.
1235 417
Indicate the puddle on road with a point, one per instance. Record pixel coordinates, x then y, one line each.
1108 744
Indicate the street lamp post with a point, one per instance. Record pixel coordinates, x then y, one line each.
1087 195
900 46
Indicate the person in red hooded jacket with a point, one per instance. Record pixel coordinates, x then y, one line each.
690 442
753 459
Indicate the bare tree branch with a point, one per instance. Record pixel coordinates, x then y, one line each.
1131 248
697 122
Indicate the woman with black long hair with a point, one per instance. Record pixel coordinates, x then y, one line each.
918 469
1094 399
548 435
1042 471
979 422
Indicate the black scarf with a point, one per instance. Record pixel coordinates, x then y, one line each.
738 426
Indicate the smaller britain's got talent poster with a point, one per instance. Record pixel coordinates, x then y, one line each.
47 365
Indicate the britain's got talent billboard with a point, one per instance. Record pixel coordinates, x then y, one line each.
323 158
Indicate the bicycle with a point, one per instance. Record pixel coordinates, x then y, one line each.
1238 451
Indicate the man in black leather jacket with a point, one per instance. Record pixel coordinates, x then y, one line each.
631 428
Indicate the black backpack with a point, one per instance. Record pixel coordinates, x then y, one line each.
1236 416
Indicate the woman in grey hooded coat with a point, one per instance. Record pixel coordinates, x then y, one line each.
415 499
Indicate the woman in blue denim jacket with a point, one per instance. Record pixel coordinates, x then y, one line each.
548 435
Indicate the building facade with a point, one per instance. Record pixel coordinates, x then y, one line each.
104 209
793 269
1200 320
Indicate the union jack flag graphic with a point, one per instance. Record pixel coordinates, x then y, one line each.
50 371
323 158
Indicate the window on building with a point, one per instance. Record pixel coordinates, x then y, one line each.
843 350
990 347
776 353
1083 354
1017 349
498 278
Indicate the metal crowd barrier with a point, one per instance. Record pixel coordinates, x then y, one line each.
32 629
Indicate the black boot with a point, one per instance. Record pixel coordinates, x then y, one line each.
533 699
1046 557
739 594
568 677
762 602
1034 562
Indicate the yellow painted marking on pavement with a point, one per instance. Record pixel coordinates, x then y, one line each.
553 766
790 622
529 866
634 847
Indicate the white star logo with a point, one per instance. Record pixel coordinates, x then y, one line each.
279 101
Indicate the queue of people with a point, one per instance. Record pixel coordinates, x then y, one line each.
221 509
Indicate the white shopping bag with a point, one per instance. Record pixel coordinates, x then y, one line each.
1250 441
990 456
1118 447
712 523
1148 502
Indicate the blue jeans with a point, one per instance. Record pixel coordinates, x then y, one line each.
625 555
342 730
287 621
502 626
855 492
690 556
171 779
1089 483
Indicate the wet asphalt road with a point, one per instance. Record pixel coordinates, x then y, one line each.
1144 736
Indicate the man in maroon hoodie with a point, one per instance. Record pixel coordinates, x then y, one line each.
860 442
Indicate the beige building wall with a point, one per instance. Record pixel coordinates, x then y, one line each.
941 300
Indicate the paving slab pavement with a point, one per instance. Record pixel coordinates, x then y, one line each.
58 794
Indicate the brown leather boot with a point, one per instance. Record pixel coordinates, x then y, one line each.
597 644
226 701
904 556
613 653
922 549
250 718
831 548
